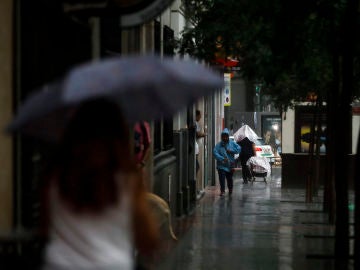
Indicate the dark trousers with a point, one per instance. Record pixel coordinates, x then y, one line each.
245 173
229 179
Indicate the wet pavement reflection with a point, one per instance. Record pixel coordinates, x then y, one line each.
260 226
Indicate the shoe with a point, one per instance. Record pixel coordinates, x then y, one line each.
222 193
230 192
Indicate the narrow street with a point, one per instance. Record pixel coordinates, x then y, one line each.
260 226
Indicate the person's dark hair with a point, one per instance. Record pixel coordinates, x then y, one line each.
94 148
198 112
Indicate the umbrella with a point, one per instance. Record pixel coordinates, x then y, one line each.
145 87
245 131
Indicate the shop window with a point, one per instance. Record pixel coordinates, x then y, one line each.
157 137
163 135
157 39
167 133
168 37
271 132
163 130
304 117
110 32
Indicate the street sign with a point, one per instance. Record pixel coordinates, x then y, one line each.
227 89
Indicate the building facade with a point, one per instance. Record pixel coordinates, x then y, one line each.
40 43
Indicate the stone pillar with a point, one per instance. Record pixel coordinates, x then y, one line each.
6 77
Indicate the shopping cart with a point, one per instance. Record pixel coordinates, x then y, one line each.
259 167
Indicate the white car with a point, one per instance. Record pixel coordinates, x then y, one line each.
263 150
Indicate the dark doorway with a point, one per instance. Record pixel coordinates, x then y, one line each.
48 43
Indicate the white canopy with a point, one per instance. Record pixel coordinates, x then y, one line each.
245 131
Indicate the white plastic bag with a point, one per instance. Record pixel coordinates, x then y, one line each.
259 165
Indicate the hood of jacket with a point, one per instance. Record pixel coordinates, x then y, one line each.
225 131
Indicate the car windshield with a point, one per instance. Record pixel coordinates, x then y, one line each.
259 141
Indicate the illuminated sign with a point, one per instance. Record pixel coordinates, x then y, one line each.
227 89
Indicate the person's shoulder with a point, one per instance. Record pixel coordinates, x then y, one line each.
218 144
248 141
234 143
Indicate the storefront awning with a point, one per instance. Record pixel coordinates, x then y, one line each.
131 12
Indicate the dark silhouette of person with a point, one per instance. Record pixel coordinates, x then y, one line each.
247 151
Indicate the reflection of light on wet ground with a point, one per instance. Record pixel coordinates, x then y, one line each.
285 245
260 227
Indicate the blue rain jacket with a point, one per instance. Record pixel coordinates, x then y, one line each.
220 153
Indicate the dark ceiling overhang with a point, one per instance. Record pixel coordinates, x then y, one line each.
131 12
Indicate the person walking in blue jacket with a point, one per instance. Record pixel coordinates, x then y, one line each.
224 152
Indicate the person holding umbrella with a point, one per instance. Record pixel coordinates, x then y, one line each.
247 151
97 212
224 152
95 209
245 137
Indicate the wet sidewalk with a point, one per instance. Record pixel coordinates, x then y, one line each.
260 226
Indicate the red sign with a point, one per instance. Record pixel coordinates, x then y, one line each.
227 62
356 110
